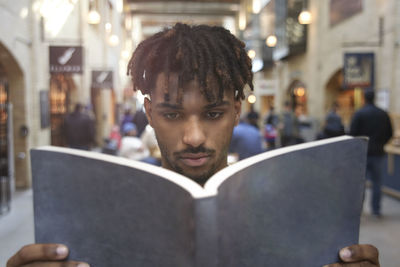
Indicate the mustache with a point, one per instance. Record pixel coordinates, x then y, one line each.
195 150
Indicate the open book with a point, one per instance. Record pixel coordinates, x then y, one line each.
294 206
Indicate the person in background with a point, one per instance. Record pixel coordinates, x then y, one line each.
375 123
126 118
270 129
131 145
253 117
246 140
79 129
149 140
333 124
115 136
88 110
112 144
195 76
288 126
140 120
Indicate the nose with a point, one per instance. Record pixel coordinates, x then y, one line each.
194 132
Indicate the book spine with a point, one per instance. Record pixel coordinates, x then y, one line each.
206 243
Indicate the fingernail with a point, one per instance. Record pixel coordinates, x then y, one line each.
82 264
62 250
345 253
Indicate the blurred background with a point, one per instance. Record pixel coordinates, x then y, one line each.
312 55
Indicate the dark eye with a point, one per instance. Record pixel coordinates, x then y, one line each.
214 114
171 115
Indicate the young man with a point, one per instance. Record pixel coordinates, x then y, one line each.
194 77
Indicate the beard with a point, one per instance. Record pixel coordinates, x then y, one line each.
202 174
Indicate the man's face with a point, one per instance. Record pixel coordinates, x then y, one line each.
193 135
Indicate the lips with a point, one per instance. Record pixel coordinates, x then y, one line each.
194 159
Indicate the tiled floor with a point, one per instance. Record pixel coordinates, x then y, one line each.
16 229
383 233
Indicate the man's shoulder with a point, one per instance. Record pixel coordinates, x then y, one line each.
84 116
370 110
367 109
378 110
381 110
244 128
240 127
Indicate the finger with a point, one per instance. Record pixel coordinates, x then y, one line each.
354 264
357 253
57 264
38 252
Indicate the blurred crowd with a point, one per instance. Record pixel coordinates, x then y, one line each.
255 134
293 126
134 139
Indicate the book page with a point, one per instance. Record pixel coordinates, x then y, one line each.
111 214
296 208
217 179
187 184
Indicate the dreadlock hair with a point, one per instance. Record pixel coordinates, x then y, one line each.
209 53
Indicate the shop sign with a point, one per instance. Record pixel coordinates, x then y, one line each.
102 79
66 59
343 9
265 87
358 70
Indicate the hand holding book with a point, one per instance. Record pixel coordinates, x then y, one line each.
364 255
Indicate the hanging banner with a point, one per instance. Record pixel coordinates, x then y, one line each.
44 109
358 70
102 79
66 59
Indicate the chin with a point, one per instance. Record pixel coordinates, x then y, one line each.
200 178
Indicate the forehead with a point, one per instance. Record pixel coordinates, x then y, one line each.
169 85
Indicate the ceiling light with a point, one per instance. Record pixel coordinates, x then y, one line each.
113 40
93 17
271 41
252 99
305 17
251 53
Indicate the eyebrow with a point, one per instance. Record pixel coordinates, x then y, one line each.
179 106
218 104
169 105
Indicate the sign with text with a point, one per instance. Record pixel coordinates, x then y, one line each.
102 79
66 59
358 70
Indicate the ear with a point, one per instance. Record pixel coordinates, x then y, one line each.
238 110
147 108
